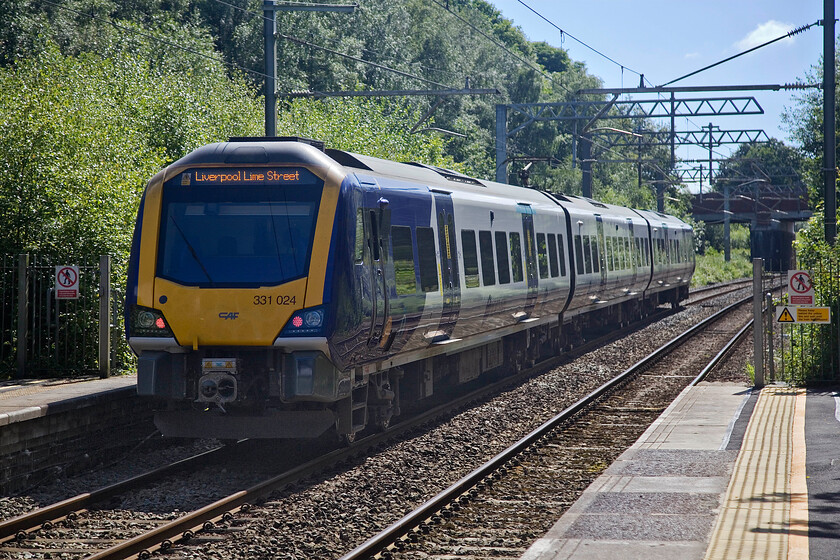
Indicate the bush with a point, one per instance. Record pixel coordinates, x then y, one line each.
712 268
814 353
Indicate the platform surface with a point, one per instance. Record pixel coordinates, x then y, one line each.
726 472
22 400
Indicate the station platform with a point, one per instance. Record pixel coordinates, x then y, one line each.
22 400
726 472
55 427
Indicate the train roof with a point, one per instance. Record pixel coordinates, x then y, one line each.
260 151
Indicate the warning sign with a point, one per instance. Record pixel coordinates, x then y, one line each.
66 282
792 315
784 316
800 287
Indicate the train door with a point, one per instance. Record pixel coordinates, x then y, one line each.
530 255
450 283
377 225
636 258
600 244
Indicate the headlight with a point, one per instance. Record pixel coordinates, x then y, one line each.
149 322
306 322
313 319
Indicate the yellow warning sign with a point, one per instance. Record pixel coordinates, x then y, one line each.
792 315
785 317
813 315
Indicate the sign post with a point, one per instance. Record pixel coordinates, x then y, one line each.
66 282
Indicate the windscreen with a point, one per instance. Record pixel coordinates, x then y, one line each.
238 227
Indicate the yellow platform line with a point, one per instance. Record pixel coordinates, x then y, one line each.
757 519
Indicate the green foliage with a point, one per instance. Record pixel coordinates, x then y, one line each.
814 353
772 162
712 268
80 136
739 236
366 126
805 124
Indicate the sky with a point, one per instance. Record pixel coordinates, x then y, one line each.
666 39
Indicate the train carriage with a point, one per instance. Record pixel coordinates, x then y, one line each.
277 289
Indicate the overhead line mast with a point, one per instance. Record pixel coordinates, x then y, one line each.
270 40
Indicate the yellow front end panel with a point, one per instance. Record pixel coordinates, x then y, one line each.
229 316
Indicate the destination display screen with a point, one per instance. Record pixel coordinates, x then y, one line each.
251 176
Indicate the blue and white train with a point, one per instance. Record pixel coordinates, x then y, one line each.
280 290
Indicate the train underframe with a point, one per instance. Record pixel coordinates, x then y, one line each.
229 393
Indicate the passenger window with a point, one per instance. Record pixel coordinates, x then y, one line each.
427 259
587 254
596 256
470 258
516 256
628 252
579 254
502 257
374 235
561 256
542 255
403 260
359 248
552 255
488 265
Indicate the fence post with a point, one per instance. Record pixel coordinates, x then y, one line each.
104 316
771 314
22 313
758 324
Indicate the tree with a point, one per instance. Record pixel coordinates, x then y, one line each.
805 123
772 162
81 135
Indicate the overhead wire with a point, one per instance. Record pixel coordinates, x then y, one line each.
361 60
335 52
785 36
502 46
564 33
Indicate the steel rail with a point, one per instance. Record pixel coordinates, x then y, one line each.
723 353
403 526
16 526
185 525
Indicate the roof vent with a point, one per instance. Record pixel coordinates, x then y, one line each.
448 174
315 143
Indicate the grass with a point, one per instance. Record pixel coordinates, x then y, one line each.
712 268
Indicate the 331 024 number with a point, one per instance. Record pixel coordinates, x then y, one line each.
277 300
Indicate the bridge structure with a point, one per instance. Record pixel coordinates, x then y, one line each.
770 210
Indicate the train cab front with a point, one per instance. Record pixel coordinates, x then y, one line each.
225 303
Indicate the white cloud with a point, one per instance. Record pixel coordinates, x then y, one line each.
692 55
765 32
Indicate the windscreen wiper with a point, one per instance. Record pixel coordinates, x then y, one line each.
191 248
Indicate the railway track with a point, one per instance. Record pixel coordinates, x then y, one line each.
504 505
706 293
70 530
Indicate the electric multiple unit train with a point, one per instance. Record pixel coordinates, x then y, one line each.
280 290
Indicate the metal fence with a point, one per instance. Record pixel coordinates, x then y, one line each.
801 352
8 312
44 336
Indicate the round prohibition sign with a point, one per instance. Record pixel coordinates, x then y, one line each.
67 277
800 283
